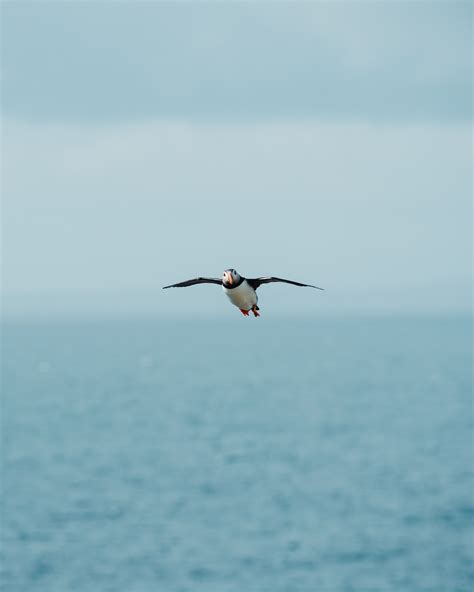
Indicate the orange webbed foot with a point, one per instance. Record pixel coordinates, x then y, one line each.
244 312
255 311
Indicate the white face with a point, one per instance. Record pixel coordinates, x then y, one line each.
230 276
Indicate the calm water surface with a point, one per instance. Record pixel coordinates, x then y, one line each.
238 456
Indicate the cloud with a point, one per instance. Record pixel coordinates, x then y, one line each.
119 61
101 217
180 160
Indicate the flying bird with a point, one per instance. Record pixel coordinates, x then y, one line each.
240 291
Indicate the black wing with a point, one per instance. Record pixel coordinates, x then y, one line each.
199 280
256 282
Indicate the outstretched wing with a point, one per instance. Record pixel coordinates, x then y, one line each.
199 280
256 282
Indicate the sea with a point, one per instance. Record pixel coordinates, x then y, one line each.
237 455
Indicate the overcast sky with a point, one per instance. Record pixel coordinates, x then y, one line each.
146 143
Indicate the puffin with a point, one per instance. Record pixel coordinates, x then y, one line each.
241 291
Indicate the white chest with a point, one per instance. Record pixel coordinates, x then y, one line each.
244 296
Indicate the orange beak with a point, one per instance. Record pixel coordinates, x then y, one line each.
229 278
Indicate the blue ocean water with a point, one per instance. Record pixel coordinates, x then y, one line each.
238 455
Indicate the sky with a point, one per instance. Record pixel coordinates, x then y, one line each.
145 143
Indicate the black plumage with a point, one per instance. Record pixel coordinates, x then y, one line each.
199 280
256 282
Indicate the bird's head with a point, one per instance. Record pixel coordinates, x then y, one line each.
230 277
